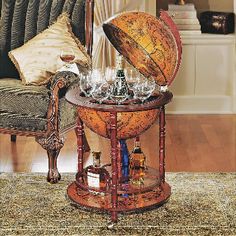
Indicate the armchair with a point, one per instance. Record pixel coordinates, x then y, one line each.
39 111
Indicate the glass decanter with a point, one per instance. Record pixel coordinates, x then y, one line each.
120 89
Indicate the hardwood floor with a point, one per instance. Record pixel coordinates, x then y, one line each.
199 143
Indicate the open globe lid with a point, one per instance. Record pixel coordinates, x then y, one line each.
152 45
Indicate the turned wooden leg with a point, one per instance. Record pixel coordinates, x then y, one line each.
13 138
79 130
86 145
162 123
53 145
114 154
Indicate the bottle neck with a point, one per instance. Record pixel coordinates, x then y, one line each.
96 162
120 67
119 63
137 145
96 159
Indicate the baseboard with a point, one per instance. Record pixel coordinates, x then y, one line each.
201 105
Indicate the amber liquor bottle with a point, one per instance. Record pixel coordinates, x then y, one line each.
97 176
137 163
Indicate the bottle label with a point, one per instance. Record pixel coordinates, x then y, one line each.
93 180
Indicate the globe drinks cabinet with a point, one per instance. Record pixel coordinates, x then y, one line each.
154 48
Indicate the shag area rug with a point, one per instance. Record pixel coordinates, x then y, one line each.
200 204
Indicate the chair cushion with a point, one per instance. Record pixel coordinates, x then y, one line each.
21 20
67 114
40 57
24 108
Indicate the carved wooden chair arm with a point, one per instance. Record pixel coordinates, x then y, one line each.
62 79
57 89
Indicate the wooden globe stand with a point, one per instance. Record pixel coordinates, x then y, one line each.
121 197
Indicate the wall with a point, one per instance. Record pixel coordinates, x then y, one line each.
234 97
202 5
206 82
150 6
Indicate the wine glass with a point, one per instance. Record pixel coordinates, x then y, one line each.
144 89
101 91
97 75
67 55
85 84
100 87
110 75
132 76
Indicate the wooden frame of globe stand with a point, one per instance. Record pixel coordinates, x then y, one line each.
111 201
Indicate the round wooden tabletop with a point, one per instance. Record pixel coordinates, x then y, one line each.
76 97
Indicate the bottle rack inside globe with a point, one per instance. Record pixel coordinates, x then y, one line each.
119 192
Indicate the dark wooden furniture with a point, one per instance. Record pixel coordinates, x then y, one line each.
15 30
121 197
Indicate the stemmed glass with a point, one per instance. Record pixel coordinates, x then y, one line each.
100 87
144 89
101 92
85 84
132 77
104 85
110 75
67 55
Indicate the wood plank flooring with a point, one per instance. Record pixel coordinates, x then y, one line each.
198 143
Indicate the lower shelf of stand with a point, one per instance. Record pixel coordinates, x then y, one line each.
130 202
150 181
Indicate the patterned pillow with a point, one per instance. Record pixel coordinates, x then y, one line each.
39 58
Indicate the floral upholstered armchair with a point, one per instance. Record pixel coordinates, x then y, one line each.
32 92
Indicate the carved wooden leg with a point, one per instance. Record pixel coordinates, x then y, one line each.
114 154
162 144
53 145
53 174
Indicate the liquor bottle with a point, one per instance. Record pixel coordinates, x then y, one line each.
98 178
125 168
125 161
137 163
120 89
